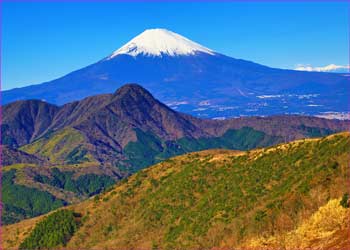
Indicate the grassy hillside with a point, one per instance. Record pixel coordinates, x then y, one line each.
66 146
217 198
327 228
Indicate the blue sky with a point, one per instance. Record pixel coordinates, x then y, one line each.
42 41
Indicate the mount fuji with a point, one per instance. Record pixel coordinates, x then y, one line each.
159 42
194 79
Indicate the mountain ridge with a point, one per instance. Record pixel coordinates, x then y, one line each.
229 87
132 104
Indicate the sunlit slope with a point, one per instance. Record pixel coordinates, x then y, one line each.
327 228
67 146
214 198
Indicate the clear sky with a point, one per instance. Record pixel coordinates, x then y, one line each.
42 41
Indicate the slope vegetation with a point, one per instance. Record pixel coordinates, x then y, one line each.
327 228
218 199
67 146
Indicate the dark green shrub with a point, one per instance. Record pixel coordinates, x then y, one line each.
154 182
344 201
260 215
97 198
54 231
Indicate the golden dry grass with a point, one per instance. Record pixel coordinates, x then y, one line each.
327 228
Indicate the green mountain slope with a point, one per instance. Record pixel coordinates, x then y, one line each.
70 173
67 146
214 198
22 202
150 149
30 190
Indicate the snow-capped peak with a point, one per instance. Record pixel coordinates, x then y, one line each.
158 42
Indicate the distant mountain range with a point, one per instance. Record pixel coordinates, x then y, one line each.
110 128
56 155
328 68
193 79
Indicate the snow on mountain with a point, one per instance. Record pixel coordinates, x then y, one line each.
158 42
